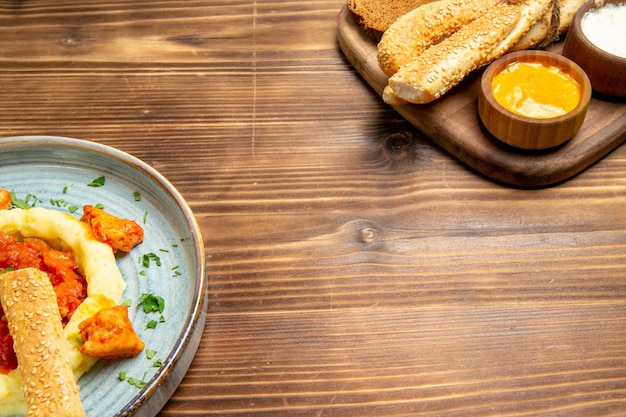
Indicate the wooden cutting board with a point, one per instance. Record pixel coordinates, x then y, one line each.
453 123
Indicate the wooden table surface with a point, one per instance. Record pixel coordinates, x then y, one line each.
354 268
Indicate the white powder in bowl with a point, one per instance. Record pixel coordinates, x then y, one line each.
605 27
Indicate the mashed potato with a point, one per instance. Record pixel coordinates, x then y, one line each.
97 264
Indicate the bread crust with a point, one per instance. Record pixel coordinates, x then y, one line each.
568 9
30 305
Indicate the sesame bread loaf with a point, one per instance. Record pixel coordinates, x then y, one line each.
440 67
414 32
375 16
30 304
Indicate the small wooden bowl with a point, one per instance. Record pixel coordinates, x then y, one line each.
606 71
528 132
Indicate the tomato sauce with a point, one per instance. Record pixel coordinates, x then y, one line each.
69 286
8 361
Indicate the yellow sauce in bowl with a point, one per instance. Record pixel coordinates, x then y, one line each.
535 90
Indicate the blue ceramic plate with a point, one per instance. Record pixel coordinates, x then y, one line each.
55 172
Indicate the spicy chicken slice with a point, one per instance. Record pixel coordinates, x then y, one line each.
109 334
5 200
120 234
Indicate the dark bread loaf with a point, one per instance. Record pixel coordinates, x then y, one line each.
375 16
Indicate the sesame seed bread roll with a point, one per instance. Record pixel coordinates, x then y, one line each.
30 305
414 32
444 65
531 12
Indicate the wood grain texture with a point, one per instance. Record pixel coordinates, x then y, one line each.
354 267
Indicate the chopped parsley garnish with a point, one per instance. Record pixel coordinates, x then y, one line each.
152 324
150 257
137 196
96 182
139 383
150 353
64 204
152 303
21 204
157 363
27 202
59 203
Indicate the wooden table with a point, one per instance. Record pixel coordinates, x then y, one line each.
354 268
